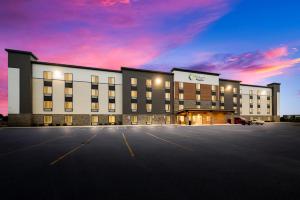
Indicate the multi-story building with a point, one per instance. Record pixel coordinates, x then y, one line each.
42 93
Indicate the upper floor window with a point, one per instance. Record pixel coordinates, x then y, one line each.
68 91
48 105
198 97
234 90
95 93
167 84
167 96
222 99
111 94
181 107
149 107
47 75
181 96
95 106
181 85
198 86
111 80
68 106
213 88
95 79
133 81
167 107
251 92
222 89
251 101
148 95
213 98
47 90
234 100
111 107
148 83
133 107
133 94
68 77
258 92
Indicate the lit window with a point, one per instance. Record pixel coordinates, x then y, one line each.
167 107
68 77
213 98
48 105
167 84
213 107
133 94
198 97
111 119
95 80
95 120
95 107
111 107
222 89
198 86
111 80
198 106
181 96
47 75
148 83
149 120
133 81
222 107
181 85
180 107
148 95
111 94
234 100
133 107
47 119
133 119
168 119
68 120
167 96
47 91
235 109
234 90
68 91
251 92
68 106
149 107
95 93
222 99
213 88
251 100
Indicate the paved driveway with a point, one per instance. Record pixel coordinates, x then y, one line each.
168 162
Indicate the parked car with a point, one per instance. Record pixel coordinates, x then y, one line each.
241 120
257 122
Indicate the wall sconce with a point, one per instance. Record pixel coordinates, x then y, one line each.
158 81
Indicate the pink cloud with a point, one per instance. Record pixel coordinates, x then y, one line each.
276 53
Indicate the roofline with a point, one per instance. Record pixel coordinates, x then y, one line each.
75 66
255 85
194 71
274 83
21 52
222 79
146 70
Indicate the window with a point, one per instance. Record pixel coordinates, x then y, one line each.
133 81
213 88
47 75
111 80
111 94
198 97
149 107
258 110
213 98
198 106
68 92
133 107
181 97
198 86
47 120
222 107
95 107
95 120
168 119
222 89
251 100
95 93
148 83
148 95
181 85
95 80
111 107
268 110
133 119
235 109
133 94
251 92
213 107
111 119
180 107
258 101
68 120
68 106
149 120
222 99
68 77
251 111
167 96
234 100
48 105
269 102
47 91
167 107
234 90
167 84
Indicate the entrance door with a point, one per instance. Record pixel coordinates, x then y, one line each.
197 119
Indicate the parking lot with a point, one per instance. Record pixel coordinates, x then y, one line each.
157 162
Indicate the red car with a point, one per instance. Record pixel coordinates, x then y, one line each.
241 120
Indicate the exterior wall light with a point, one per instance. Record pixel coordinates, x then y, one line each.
57 74
158 81
228 87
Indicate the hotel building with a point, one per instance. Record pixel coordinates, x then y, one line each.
42 93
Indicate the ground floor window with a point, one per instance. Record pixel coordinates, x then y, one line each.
68 120
149 120
180 120
208 119
133 119
47 120
111 119
168 119
95 120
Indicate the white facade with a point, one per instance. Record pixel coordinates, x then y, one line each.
13 91
81 90
245 100
189 77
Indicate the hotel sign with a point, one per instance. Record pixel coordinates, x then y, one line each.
196 77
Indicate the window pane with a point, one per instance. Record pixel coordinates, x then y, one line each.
47 119
47 75
180 85
68 91
47 90
48 104
167 84
133 94
95 79
133 81
148 83
111 80
68 77
167 95
111 119
148 95
95 93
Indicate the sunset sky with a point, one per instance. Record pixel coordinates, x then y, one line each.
255 41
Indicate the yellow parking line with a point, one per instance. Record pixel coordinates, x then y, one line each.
72 150
168 141
128 146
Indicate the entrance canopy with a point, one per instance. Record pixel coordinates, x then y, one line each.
198 110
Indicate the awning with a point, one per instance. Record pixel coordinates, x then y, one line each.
198 110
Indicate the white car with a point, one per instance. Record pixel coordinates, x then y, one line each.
257 122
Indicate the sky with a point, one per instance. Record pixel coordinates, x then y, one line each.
255 41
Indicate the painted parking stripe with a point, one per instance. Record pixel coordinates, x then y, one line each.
72 150
128 146
169 142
